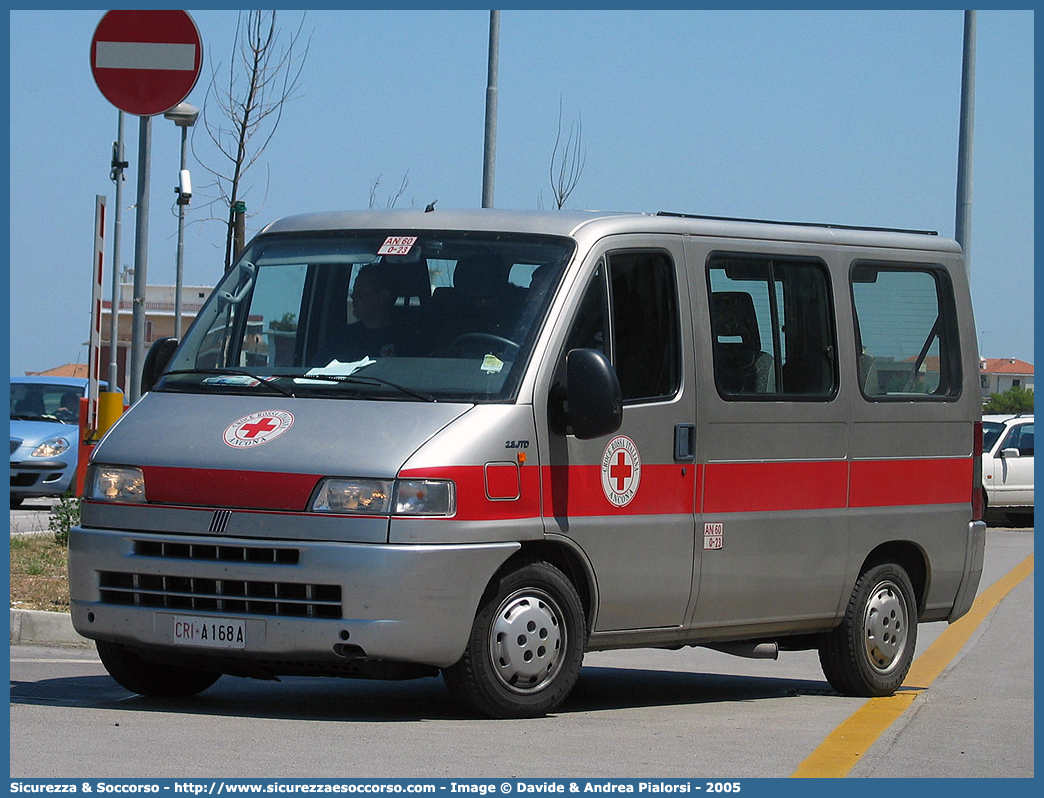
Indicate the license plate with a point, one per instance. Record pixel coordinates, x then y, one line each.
201 630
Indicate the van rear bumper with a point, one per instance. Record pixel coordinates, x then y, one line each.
299 602
974 554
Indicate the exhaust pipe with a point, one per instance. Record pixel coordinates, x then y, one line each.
748 649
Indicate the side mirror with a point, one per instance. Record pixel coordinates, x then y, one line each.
156 362
593 394
1008 453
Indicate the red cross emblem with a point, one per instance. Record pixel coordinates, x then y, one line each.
264 425
257 428
621 471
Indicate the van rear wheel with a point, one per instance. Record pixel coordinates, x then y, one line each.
526 645
870 653
151 678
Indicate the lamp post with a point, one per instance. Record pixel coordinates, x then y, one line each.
184 116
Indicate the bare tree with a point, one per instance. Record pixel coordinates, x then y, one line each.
392 198
241 115
571 163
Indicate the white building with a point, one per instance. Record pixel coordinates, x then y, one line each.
159 318
997 375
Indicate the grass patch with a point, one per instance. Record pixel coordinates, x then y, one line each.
39 573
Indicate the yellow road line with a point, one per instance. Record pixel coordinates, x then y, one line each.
843 747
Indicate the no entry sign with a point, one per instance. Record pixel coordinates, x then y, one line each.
146 62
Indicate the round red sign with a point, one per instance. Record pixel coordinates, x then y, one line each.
146 62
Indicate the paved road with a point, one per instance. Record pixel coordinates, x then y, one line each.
692 714
32 516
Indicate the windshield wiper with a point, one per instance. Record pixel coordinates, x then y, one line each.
346 378
237 373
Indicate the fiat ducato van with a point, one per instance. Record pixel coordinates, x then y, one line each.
483 443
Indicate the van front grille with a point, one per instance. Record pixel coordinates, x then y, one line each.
233 596
212 553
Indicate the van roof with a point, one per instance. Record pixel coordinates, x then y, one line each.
577 224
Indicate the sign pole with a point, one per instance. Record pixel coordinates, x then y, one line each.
144 63
141 244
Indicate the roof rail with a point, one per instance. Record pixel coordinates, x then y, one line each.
799 224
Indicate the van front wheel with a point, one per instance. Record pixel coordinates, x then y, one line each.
526 645
870 653
151 678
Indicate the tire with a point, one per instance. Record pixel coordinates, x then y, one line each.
150 678
526 645
870 653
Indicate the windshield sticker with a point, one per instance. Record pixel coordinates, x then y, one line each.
491 364
621 471
257 428
397 245
232 379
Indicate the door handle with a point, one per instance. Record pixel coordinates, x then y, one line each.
684 442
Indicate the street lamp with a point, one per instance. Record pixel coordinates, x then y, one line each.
184 116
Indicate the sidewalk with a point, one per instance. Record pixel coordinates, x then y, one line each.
45 628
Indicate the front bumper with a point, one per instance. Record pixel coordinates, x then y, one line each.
302 601
50 477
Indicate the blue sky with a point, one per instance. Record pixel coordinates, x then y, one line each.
817 116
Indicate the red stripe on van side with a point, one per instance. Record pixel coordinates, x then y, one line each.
568 491
577 490
767 487
888 483
208 487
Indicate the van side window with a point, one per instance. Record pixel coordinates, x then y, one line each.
772 328
642 340
906 332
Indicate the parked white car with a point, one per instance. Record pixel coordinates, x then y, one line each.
1007 466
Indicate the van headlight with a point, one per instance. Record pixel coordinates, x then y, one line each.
431 497
51 448
425 497
114 484
369 496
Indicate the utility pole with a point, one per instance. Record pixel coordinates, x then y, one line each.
962 226
490 151
118 165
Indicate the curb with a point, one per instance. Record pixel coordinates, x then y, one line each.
45 628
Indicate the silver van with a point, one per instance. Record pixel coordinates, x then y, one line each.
484 443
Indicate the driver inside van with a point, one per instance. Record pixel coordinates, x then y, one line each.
376 333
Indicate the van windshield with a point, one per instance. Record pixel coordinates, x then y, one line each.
375 314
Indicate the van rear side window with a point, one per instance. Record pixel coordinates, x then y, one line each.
906 328
772 328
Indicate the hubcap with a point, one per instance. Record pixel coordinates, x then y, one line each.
885 627
526 641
